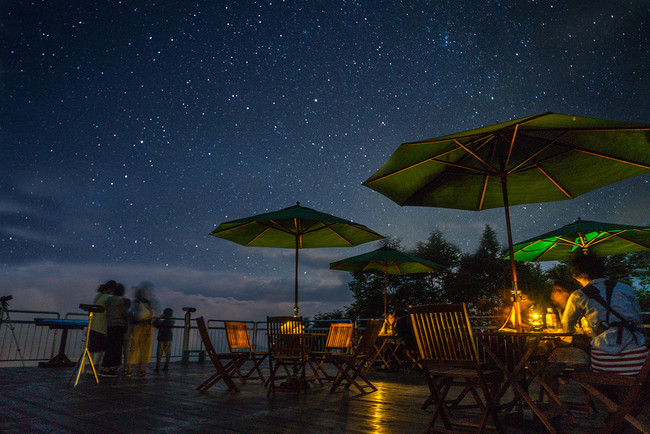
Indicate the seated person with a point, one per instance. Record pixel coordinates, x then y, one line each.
388 329
612 312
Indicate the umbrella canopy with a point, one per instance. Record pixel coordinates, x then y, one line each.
540 158
602 239
297 228
386 261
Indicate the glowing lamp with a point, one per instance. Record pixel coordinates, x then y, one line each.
535 320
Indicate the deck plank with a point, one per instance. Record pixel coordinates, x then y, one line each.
39 400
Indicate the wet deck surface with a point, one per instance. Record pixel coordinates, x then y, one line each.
39 400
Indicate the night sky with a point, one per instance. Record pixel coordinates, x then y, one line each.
129 130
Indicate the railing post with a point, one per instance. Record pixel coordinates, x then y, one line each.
186 334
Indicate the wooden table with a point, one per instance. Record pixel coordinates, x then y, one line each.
386 350
293 350
522 357
60 360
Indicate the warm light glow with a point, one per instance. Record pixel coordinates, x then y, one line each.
377 416
290 328
535 320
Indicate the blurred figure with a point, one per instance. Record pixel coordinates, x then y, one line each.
141 315
572 351
559 297
117 321
165 326
98 327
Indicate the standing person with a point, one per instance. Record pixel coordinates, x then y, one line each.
98 327
165 326
126 343
116 320
141 314
613 314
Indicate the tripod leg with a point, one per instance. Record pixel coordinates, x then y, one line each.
77 369
92 365
4 317
82 360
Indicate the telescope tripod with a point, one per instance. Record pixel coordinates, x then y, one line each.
4 318
82 360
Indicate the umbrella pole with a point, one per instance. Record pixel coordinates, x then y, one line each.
385 290
295 306
516 306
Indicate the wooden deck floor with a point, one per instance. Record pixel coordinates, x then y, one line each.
39 400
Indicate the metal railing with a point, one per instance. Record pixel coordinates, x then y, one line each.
22 340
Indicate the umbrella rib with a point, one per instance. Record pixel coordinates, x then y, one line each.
617 235
483 191
436 160
523 165
569 242
258 235
512 143
633 242
440 178
545 251
608 157
367 266
268 227
473 154
485 181
411 166
327 226
277 225
566 193
510 148
232 228
604 236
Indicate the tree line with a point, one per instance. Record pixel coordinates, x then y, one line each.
482 279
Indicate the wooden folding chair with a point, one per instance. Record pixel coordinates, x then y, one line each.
350 365
222 372
287 351
339 339
449 357
628 388
413 357
239 341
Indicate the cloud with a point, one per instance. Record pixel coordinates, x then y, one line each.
61 287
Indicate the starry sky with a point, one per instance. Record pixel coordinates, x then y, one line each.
130 129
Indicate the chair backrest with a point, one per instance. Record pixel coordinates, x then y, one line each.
205 337
368 337
443 334
285 334
237 336
339 336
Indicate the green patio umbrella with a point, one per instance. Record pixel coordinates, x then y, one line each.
296 228
602 239
386 260
540 158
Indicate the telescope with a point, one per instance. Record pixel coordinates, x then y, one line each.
95 308
189 309
6 298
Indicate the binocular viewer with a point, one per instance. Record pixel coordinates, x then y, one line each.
95 308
